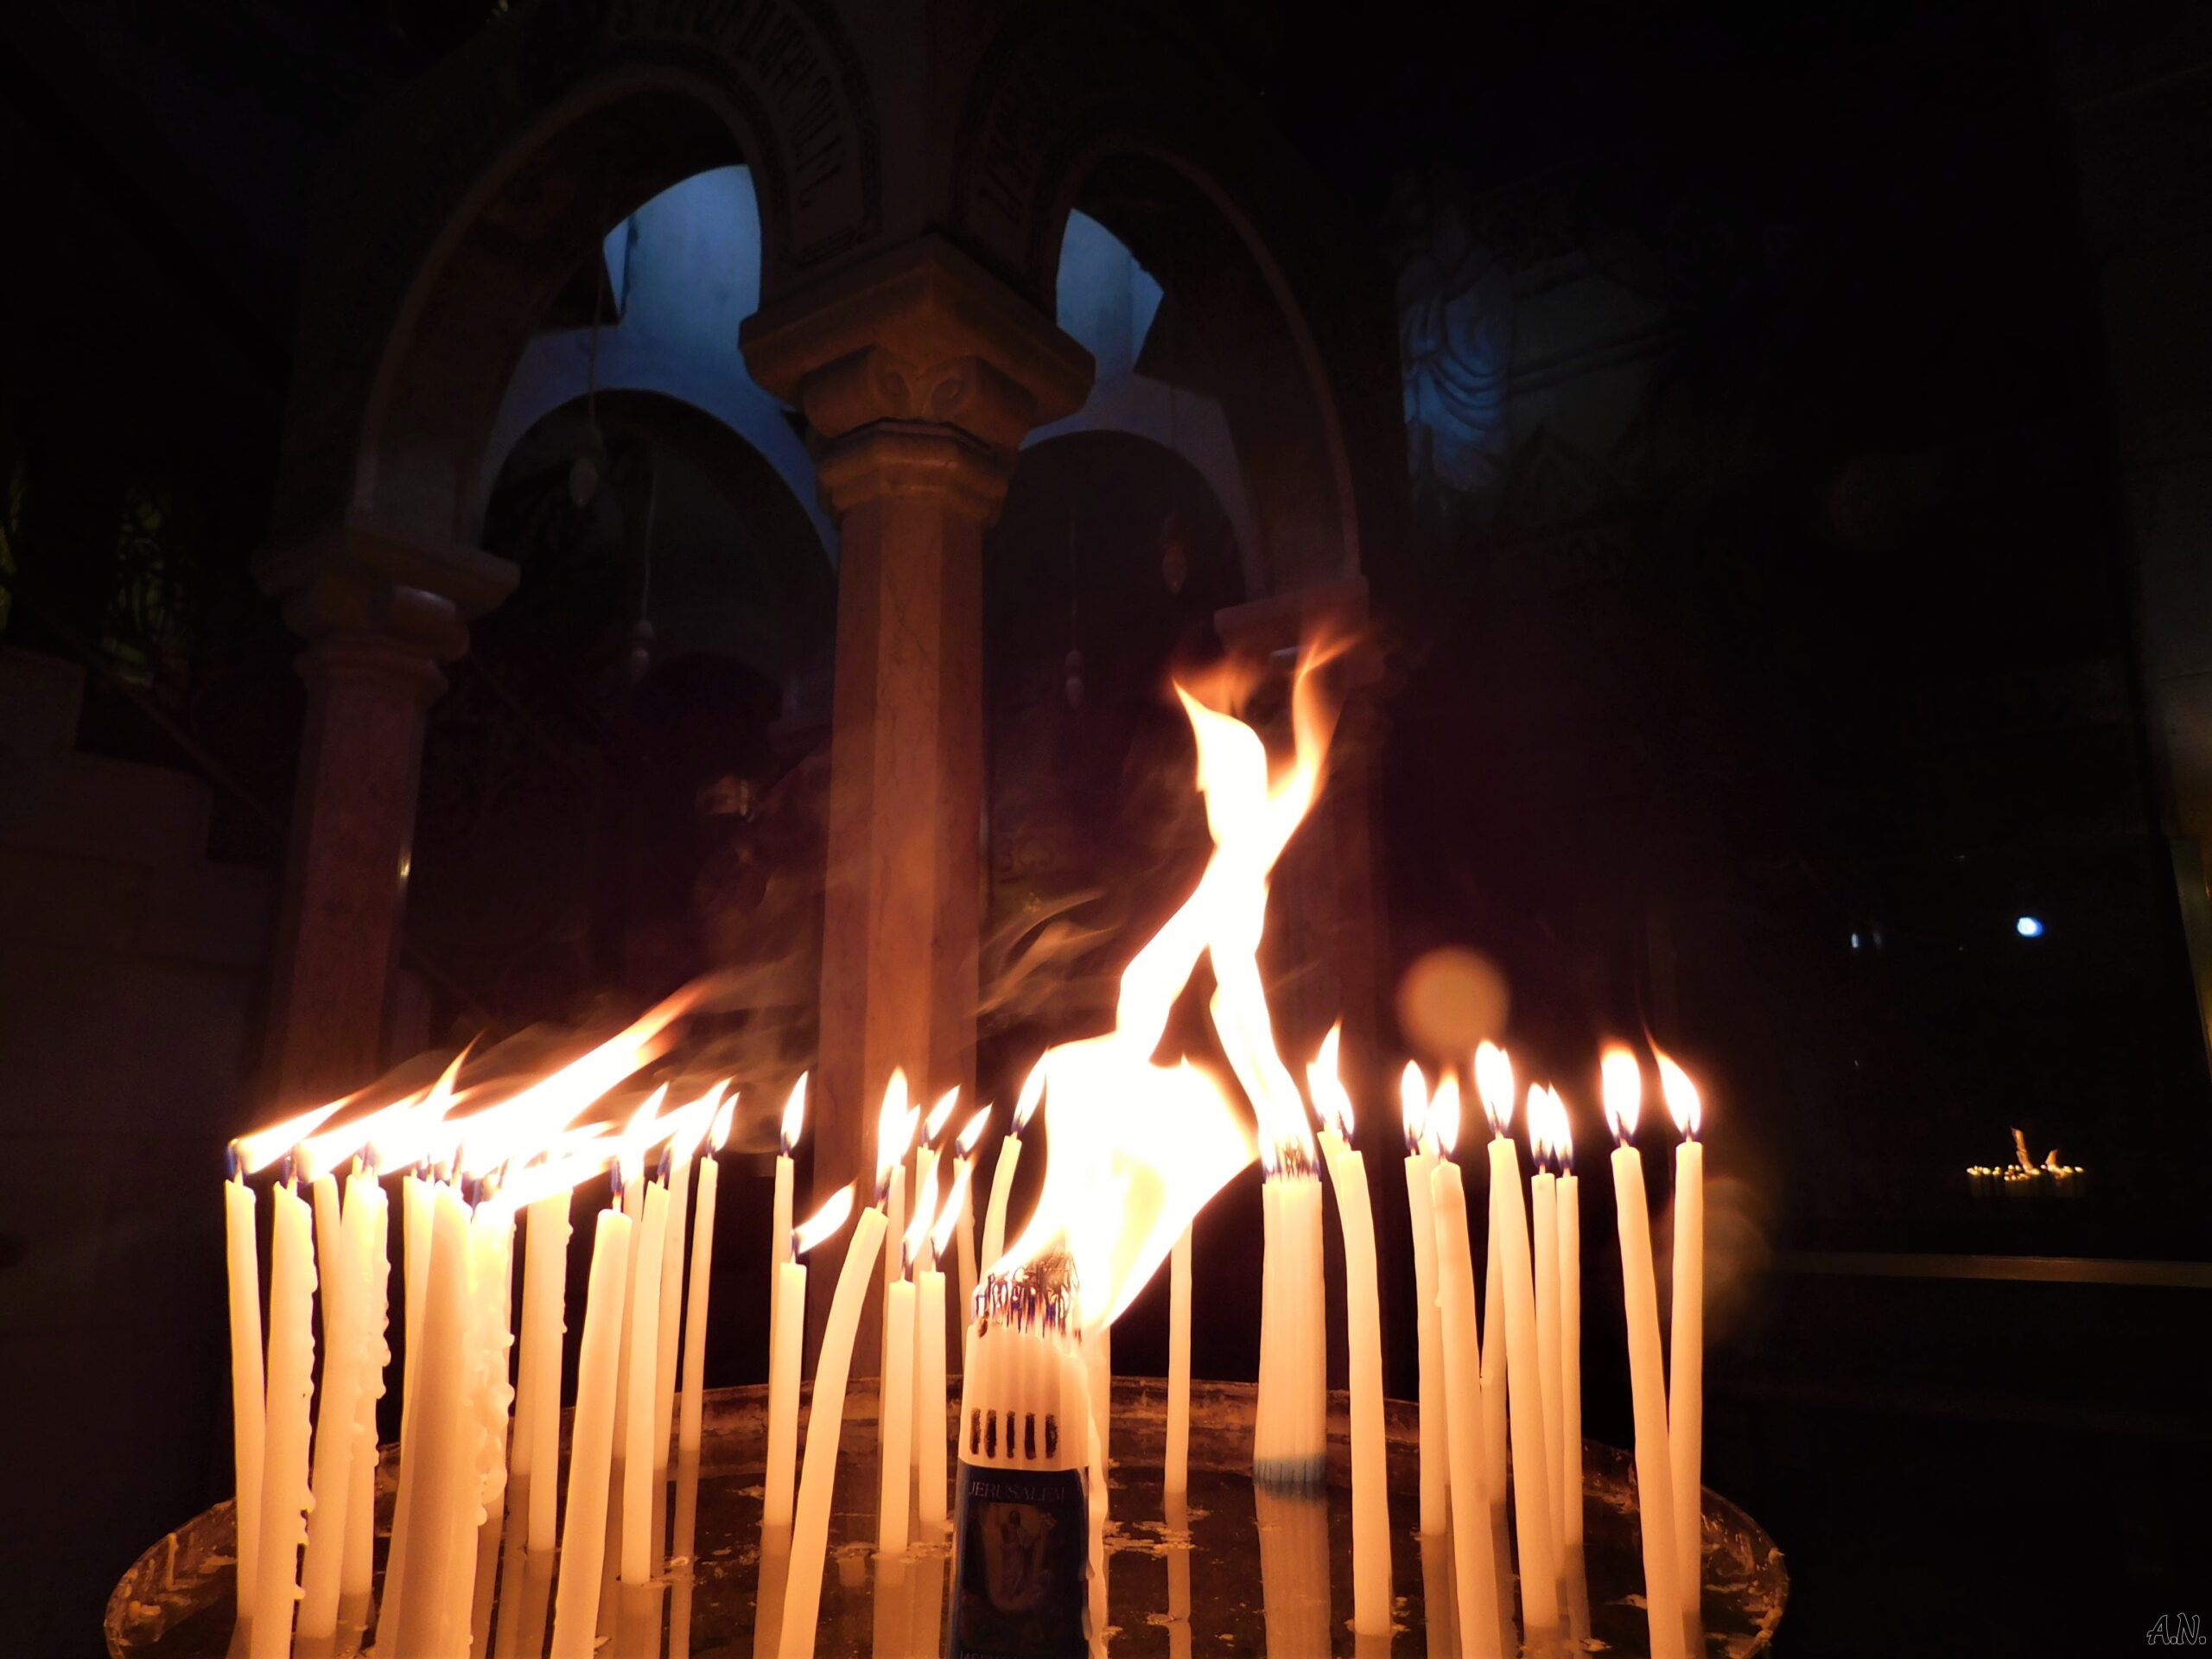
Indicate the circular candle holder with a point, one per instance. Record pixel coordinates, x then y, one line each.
1233 1570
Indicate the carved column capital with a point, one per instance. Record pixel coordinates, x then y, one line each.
362 579
915 459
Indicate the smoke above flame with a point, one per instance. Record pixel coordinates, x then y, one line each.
1137 1148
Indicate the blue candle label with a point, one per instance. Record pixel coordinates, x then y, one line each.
1021 1541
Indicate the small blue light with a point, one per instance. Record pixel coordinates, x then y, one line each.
2028 927
1854 941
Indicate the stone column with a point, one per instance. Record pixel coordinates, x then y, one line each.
919 374
380 611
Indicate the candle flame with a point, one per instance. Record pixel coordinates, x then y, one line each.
1324 1082
264 1146
719 1136
1413 1104
333 1146
940 1114
949 1214
411 1136
1032 1091
1679 1093
638 1135
1442 1118
1494 1082
823 1222
894 1131
918 1229
1620 1080
971 1132
1139 1148
794 1116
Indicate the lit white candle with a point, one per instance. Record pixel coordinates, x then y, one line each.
591 1452
1176 1481
810 1523
1685 1395
784 1354
249 1399
1621 1081
931 1433
284 1492
343 1271
691 1424
1544 1217
1009 1160
1570 1347
1532 1503
895 1414
357 1580
1436 1427
538 1401
779 1210
670 1325
1371 1490
1474 1565
638 1475
437 1550
971 1137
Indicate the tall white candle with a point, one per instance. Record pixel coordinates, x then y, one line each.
1686 1397
249 1398
1544 1217
638 1474
1570 1349
1623 1084
284 1493
1371 1494
436 1549
691 1424
670 1325
1435 1429
811 1524
1177 1479
971 1137
343 1272
1532 1506
1474 1566
591 1452
930 1434
784 1348
537 1403
895 1420
357 1580
779 1208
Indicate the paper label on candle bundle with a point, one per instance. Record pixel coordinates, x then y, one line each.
1018 1588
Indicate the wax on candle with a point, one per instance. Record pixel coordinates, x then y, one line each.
1544 1217
1686 1395
929 1431
1623 1088
1474 1566
357 1580
284 1492
689 1426
896 1420
591 1453
1420 1164
669 1326
249 1399
970 1138
810 1523
921 1259
1570 1365
1371 1496
637 1476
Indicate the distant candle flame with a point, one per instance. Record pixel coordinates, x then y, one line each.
948 1213
940 1114
1413 1104
794 1116
1441 1120
1679 1093
1620 1079
1032 1091
971 1132
1324 1083
264 1146
894 1132
1494 1082
719 1137
925 1216
2020 1150
823 1222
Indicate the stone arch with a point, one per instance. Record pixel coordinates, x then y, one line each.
1126 114
470 201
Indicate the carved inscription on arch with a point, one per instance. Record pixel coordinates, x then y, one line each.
810 91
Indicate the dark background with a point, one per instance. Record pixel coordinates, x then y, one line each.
1766 640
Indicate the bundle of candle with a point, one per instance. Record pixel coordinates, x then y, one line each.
1138 1148
2023 1176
